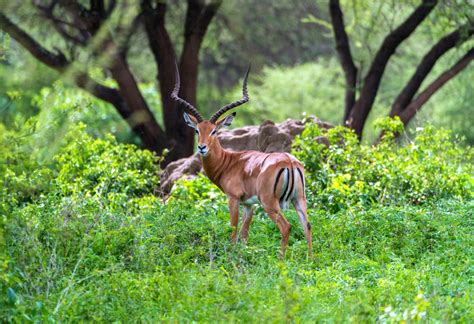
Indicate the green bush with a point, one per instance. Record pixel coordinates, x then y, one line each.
105 167
433 166
95 244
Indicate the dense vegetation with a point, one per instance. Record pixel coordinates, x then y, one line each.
85 235
85 238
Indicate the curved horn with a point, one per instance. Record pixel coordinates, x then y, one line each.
186 104
245 98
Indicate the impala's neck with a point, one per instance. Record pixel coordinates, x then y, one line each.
216 162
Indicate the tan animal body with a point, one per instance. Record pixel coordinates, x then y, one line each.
249 177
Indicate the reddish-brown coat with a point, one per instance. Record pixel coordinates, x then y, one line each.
247 174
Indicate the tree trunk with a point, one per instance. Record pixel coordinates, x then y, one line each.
177 132
345 57
410 111
362 107
198 17
429 60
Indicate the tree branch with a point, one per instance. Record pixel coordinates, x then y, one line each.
127 100
100 91
439 49
415 106
57 61
345 57
372 80
60 24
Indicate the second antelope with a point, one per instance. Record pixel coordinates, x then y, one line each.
248 177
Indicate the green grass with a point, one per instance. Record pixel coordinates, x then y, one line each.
83 260
84 239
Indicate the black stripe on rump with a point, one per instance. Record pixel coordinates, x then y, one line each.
292 184
278 178
286 187
301 176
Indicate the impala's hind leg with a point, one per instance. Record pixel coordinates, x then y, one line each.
273 210
244 231
300 205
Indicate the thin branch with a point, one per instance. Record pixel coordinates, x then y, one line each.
60 24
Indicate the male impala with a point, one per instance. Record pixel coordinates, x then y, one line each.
247 177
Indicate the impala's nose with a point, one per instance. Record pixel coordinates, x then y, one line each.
202 149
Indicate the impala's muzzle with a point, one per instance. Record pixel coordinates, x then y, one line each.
203 150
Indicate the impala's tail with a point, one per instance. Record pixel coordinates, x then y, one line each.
289 183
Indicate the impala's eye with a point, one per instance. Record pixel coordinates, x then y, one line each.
214 131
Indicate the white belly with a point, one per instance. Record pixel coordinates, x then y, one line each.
252 200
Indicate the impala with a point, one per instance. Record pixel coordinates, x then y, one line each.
248 177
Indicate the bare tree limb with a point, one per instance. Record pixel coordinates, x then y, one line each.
415 106
345 57
410 111
369 90
429 60
128 100
60 63
55 60
60 24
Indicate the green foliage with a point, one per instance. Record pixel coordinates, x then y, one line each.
199 190
310 88
104 167
94 244
345 174
83 237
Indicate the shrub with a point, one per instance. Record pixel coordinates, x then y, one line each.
104 167
97 245
433 166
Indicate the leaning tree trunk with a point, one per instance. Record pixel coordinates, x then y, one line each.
371 83
198 17
345 57
410 110
446 43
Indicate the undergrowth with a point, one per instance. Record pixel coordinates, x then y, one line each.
83 238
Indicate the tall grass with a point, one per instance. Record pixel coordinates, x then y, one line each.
85 239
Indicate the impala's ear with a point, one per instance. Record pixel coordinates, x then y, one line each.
226 121
190 120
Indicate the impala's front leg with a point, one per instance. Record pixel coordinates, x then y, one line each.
244 231
234 217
